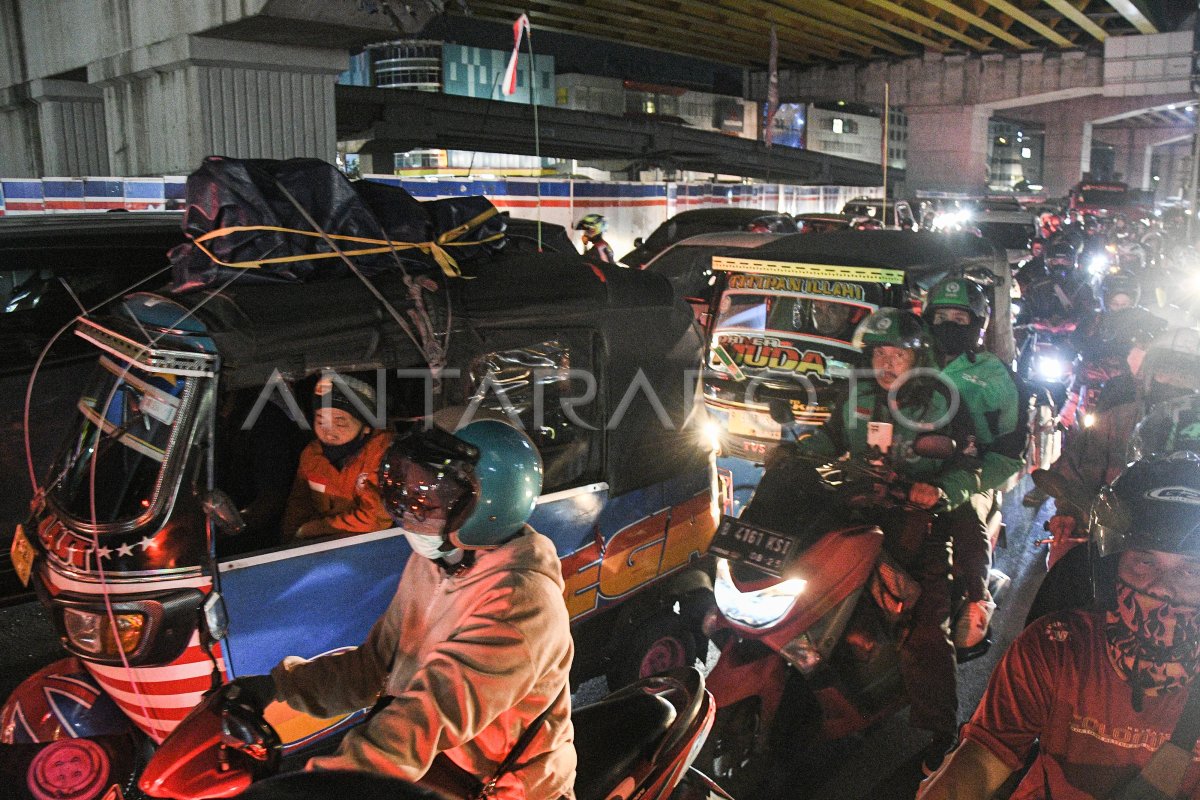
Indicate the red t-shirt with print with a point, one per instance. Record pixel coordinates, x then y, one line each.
1056 684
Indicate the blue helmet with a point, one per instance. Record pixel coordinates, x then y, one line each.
509 472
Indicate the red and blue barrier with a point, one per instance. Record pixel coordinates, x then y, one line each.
633 209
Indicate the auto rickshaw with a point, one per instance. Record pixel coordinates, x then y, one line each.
132 541
783 320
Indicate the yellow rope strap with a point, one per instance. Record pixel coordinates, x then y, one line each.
436 248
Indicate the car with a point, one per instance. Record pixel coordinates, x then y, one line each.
687 264
706 220
824 223
899 213
522 234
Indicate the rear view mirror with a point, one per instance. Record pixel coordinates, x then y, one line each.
934 445
223 512
638 242
215 617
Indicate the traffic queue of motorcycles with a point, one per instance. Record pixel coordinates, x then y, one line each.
802 659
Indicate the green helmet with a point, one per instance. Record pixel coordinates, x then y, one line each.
955 291
593 225
510 479
893 327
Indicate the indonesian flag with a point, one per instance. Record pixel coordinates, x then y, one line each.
772 85
510 74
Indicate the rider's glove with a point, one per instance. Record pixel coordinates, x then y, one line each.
926 495
256 691
1062 525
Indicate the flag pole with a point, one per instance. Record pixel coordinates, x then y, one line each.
537 135
884 146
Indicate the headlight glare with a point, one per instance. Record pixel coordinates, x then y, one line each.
757 609
93 633
1052 369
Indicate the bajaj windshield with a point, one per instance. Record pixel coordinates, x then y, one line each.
786 333
112 465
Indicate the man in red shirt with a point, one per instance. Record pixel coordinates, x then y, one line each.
1104 692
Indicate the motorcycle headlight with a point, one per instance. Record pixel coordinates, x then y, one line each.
1052 369
1098 265
93 633
757 609
1089 420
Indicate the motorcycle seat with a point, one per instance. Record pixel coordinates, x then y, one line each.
610 737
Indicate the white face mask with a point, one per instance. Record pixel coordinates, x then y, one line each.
430 547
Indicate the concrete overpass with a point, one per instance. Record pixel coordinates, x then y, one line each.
144 87
950 98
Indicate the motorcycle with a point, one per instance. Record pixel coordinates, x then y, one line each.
638 742
810 614
1046 363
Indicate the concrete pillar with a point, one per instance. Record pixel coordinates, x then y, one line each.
71 122
170 104
947 147
21 150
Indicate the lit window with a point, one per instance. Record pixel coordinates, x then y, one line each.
837 124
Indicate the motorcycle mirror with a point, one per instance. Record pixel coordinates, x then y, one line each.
934 445
781 410
215 617
220 508
1061 490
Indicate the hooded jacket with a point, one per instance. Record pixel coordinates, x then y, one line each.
469 660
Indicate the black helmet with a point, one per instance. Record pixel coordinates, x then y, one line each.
1061 255
1119 283
1153 505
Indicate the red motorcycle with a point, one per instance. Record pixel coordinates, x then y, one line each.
638 742
810 613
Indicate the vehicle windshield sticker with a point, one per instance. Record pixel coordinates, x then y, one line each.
797 270
757 352
728 361
809 286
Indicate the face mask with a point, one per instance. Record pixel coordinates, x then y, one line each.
431 546
955 339
339 454
1153 643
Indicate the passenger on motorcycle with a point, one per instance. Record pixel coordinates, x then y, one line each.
596 249
1096 456
957 311
910 400
1109 693
335 492
474 649
1054 291
1106 340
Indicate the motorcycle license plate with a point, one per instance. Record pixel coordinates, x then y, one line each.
747 423
759 547
21 555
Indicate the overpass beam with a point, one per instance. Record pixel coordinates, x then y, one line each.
52 127
170 104
947 147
